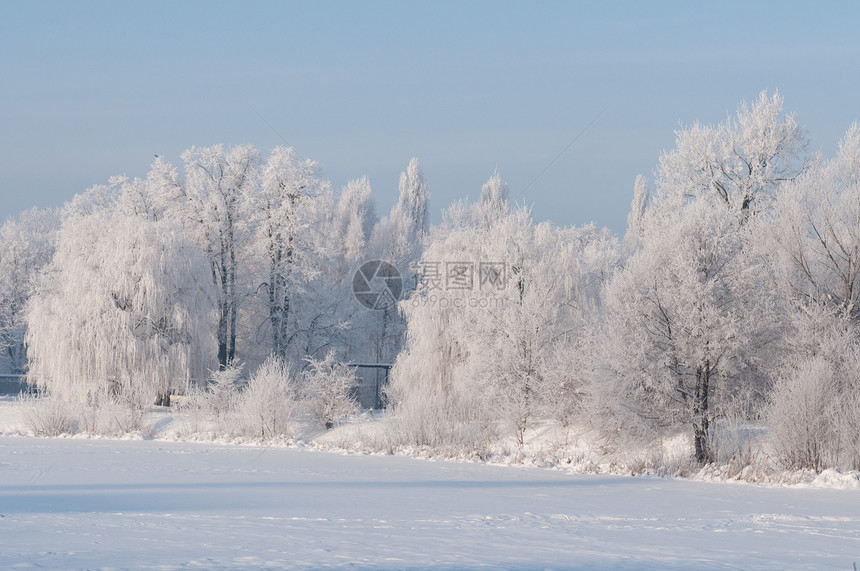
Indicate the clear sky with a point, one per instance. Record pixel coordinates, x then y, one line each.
94 89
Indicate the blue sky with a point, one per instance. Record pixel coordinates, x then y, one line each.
94 89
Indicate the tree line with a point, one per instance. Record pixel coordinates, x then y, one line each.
730 302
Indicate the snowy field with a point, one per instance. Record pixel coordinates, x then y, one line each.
148 504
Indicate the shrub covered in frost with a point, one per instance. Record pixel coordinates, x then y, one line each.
328 390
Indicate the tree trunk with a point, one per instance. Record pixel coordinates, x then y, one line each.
701 420
223 356
231 285
279 299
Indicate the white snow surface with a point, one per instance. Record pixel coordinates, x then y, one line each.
150 504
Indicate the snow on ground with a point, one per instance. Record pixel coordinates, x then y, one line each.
149 504
12 415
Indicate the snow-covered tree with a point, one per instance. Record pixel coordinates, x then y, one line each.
812 246
265 405
496 321
495 197
677 329
409 215
123 306
26 246
217 397
801 414
349 229
399 239
218 188
737 163
328 389
353 219
158 196
813 239
99 198
633 236
288 236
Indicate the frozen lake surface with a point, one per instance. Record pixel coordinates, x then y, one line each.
108 504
